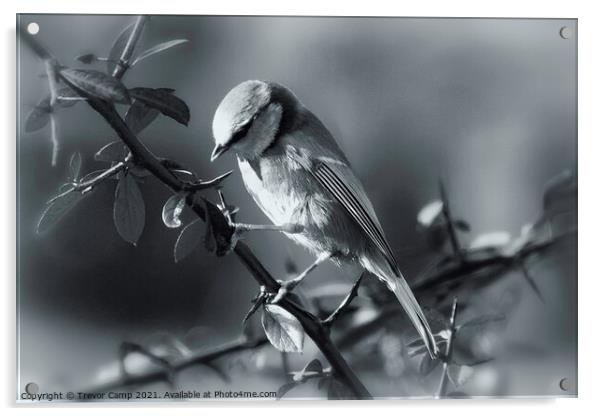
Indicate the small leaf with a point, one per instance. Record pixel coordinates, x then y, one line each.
188 240
75 165
427 365
462 225
459 374
219 228
87 58
97 84
495 239
173 209
112 152
285 388
163 100
139 116
338 390
38 118
283 330
117 48
313 366
158 48
560 194
129 210
56 210
430 213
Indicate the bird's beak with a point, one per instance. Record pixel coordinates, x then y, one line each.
218 151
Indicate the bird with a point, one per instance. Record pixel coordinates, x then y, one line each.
296 172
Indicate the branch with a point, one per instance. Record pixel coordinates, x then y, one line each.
311 324
163 374
346 302
448 350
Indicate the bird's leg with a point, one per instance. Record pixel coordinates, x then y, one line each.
287 228
289 285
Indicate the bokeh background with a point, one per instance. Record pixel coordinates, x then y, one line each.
488 105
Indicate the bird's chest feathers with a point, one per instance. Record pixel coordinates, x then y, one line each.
279 185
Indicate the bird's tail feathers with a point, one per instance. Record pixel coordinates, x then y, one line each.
404 294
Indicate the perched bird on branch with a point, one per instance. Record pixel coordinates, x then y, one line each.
300 178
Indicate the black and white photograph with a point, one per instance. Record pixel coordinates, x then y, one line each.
278 208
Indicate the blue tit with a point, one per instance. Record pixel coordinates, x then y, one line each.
297 174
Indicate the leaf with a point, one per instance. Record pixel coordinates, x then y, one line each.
283 330
459 374
311 369
97 84
560 194
495 239
163 100
117 48
139 116
483 320
112 152
56 210
462 225
285 388
158 48
172 210
87 58
427 365
38 118
75 165
338 390
219 232
129 210
430 213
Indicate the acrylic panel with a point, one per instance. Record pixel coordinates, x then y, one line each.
289 207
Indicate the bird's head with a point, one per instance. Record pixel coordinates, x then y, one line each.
249 118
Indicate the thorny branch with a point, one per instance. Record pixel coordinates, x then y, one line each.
310 323
448 350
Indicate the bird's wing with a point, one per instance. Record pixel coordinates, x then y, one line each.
330 168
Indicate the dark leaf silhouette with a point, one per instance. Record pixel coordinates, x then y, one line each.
112 152
188 240
56 210
158 48
561 194
129 210
172 209
163 100
285 388
139 116
117 48
97 84
75 164
283 330
427 365
39 117
87 58
219 232
338 390
459 374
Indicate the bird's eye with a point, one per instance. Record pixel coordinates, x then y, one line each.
242 131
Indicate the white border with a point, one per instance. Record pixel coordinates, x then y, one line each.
589 167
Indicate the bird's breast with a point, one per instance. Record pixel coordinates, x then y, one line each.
279 185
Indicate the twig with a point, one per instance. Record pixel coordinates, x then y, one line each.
162 374
531 282
346 302
51 75
448 350
449 222
87 186
310 323
128 50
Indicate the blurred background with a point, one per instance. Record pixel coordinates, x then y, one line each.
486 105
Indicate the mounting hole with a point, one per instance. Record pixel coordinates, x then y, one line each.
32 388
564 384
33 28
566 32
